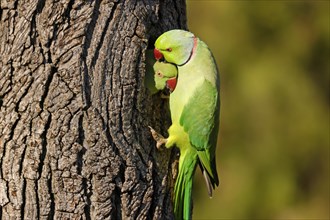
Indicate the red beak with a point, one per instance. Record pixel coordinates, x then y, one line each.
171 84
157 54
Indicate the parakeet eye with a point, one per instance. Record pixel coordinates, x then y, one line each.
159 74
169 49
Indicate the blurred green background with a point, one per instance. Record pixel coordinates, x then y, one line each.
273 157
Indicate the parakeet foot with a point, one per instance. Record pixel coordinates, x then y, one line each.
158 138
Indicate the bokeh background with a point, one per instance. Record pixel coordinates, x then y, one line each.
273 157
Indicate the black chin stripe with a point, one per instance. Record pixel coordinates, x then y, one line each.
187 59
191 53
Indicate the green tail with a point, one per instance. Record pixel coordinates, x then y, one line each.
183 186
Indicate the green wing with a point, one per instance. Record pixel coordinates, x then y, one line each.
199 119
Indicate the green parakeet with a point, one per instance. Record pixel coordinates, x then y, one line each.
159 75
195 108
165 76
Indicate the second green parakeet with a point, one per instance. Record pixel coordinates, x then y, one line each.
159 75
165 76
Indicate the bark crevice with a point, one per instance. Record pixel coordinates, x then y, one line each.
44 145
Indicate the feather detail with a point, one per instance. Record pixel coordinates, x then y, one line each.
183 185
208 183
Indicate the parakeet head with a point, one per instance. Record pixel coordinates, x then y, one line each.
165 75
175 46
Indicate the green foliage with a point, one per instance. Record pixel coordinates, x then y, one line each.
273 157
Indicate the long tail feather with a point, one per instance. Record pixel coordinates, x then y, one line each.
208 183
183 186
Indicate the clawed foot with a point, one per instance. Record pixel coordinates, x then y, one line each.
158 138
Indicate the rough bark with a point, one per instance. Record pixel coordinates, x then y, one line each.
74 141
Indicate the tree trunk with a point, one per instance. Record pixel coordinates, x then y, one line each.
74 141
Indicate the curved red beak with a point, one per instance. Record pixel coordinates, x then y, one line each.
171 84
157 54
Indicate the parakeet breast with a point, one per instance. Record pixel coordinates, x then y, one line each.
186 85
200 67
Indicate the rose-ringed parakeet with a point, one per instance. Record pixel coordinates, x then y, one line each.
159 75
165 76
195 108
